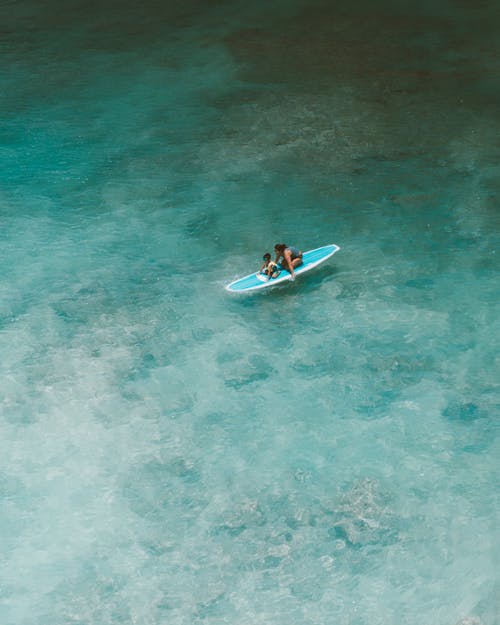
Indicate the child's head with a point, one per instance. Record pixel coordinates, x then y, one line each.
267 256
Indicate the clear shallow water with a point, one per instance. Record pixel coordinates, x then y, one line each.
323 453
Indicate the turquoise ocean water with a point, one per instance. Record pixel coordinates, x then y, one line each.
325 453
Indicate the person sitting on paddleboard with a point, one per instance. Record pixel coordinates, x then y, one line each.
270 268
292 257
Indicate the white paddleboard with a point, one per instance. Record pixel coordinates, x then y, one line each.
258 280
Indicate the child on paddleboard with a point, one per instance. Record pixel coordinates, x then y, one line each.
269 267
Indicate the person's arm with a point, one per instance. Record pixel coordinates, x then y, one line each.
287 256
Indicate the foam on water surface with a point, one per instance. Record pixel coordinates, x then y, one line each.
323 453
